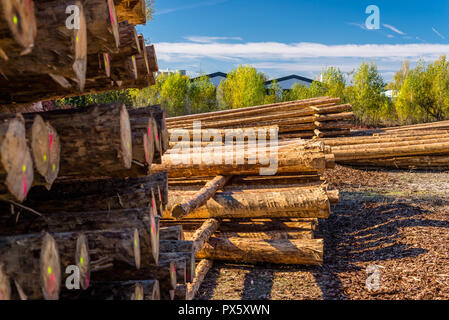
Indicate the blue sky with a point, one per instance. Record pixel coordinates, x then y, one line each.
295 36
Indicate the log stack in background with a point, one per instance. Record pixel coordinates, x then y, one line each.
317 117
423 146
76 189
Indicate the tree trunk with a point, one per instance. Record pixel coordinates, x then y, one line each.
72 195
249 225
202 235
184 208
74 250
132 11
189 291
310 202
302 251
16 164
171 233
95 141
102 26
33 262
17 28
5 284
58 51
152 58
185 259
291 158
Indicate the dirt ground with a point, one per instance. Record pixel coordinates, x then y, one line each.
397 221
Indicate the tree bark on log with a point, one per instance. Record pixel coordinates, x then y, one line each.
69 195
17 28
121 272
302 251
152 58
183 209
16 169
255 110
5 284
248 225
171 233
74 250
132 11
186 261
58 51
291 158
32 261
268 235
202 235
102 26
95 141
189 291
260 203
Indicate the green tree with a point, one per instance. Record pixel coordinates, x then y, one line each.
148 96
333 81
202 95
275 93
424 94
174 94
298 91
243 87
369 103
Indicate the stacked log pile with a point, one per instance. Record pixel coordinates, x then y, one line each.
100 215
317 117
79 206
47 53
246 201
424 146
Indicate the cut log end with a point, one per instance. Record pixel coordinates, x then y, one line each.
107 64
126 138
136 247
46 148
154 237
156 293
138 293
16 159
173 278
83 261
5 285
114 22
50 268
21 20
80 52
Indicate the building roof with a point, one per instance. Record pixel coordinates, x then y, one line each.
290 77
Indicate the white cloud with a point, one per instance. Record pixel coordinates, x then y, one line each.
189 6
438 33
394 29
205 39
283 51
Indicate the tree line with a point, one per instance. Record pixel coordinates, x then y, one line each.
419 94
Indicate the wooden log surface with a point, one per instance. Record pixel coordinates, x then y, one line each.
260 203
292 251
189 291
32 261
17 27
183 209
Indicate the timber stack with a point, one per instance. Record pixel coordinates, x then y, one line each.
317 117
46 53
79 206
249 198
423 146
